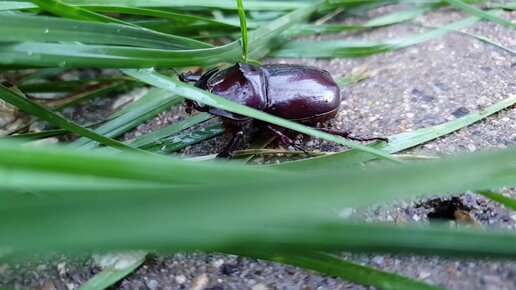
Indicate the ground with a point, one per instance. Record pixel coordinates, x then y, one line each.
417 87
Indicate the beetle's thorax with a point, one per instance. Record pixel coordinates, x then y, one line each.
241 83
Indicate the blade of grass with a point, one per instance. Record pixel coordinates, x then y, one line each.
184 19
217 4
337 267
45 114
40 74
384 20
40 135
63 86
175 143
354 48
67 11
200 96
39 28
397 142
131 119
170 130
36 54
507 201
243 29
123 265
479 13
346 81
93 92
485 39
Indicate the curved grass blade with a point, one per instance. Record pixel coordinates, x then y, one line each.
67 11
479 13
397 142
217 4
350 271
354 48
198 95
507 201
43 113
37 54
184 19
39 28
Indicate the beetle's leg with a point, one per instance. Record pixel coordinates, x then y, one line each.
285 139
188 77
232 145
189 106
346 135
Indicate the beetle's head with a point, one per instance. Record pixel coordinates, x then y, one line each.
241 83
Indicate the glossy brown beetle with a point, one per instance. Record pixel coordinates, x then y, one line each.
298 93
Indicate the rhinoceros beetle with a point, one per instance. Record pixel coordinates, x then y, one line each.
302 94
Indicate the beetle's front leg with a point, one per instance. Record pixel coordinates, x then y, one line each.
347 134
285 139
232 145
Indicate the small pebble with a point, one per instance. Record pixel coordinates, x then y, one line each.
200 282
180 279
260 286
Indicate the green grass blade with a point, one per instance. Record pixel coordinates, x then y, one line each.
397 142
198 95
354 48
346 81
96 91
486 40
15 5
67 11
121 267
40 135
243 29
175 143
45 114
170 130
293 219
350 271
64 86
479 13
398 16
384 20
79 55
217 4
507 201
184 19
131 119
49 29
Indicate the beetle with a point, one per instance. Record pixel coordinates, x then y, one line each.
302 94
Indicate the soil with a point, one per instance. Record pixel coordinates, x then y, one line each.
413 88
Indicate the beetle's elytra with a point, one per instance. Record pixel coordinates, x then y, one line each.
299 93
